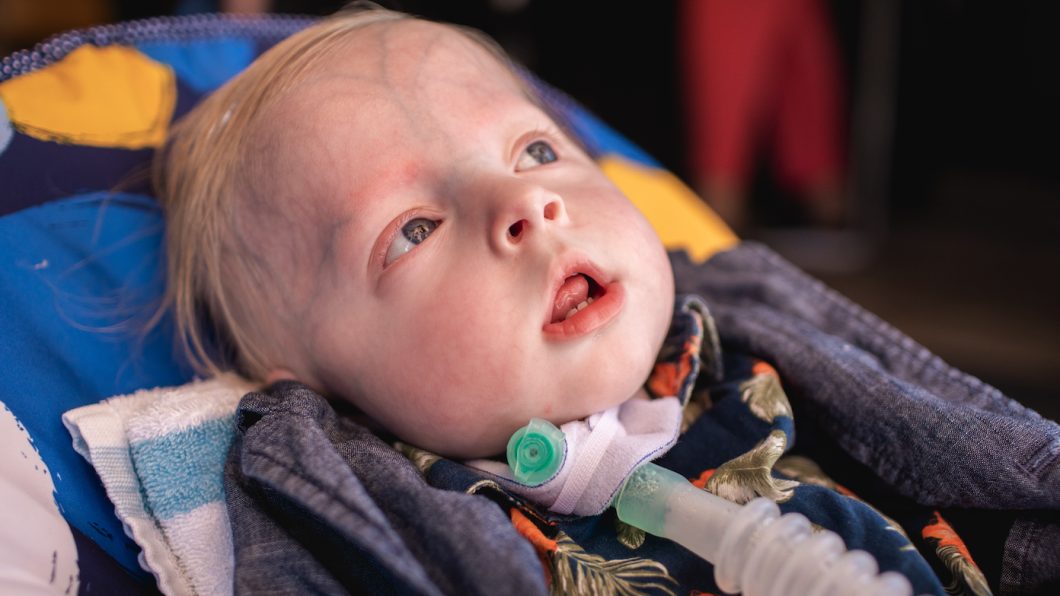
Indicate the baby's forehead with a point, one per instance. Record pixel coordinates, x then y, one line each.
410 56
418 78
416 74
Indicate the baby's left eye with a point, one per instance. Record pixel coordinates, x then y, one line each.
536 154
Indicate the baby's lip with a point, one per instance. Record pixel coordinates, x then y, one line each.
607 294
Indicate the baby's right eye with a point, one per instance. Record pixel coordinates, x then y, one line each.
411 234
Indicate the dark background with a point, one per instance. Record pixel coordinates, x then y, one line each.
970 263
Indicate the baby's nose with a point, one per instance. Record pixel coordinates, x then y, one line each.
527 211
550 212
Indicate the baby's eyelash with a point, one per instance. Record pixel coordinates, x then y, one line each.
550 133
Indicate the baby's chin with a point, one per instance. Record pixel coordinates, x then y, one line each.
458 446
469 441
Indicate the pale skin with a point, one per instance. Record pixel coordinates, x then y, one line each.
429 230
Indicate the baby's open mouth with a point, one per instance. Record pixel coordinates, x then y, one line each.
577 292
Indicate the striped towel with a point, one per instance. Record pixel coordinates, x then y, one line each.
160 454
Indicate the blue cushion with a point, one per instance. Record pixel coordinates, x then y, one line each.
203 64
71 270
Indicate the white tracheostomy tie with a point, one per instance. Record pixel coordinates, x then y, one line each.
602 451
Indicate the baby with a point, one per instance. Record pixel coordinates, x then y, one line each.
381 209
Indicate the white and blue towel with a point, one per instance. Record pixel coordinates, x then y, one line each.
160 454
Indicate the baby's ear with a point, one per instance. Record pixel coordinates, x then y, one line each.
279 374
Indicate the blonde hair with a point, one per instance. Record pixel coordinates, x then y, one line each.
195 176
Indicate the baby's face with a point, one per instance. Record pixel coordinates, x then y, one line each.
434 229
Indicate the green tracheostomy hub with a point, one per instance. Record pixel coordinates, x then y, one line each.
536 451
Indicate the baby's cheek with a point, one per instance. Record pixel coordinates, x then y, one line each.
452 350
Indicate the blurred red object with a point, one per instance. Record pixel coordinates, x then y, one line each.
763 72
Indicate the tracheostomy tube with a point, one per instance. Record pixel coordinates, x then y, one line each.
754 549
536 452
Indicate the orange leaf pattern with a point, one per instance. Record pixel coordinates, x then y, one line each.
968 580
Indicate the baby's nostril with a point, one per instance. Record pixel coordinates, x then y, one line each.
516 228
551 211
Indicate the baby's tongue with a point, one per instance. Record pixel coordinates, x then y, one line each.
574 291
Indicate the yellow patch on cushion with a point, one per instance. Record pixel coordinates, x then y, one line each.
112 96
679 217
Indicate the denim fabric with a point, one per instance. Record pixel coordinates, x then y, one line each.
1032 556
320 505
936 435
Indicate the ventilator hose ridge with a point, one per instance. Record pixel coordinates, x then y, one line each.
764 553
754 549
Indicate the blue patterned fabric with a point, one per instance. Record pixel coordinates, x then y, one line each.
73 274
81 268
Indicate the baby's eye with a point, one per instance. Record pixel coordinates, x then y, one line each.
536 154
411 234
